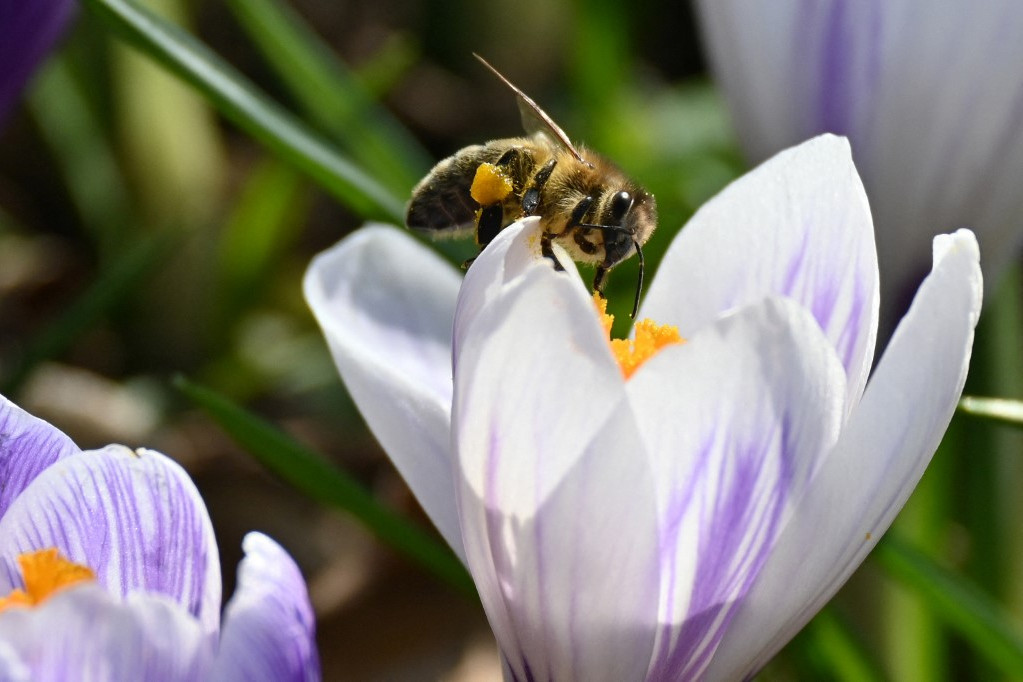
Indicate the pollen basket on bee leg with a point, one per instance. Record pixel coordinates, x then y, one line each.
490 185
650 337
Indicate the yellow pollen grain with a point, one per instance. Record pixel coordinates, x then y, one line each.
650 337
45 572
491 185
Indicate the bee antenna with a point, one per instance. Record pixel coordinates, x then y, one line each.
639 283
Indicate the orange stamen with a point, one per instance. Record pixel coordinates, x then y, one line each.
650 337
45 572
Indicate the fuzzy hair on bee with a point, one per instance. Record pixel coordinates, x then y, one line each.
585 203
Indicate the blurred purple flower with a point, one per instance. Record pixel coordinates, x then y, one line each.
153 612
686 522
930 95
28 31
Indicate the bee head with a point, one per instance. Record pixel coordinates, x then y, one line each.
628 219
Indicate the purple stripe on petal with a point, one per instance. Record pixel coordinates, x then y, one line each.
28 30
737 535
729 461
136 519
27 446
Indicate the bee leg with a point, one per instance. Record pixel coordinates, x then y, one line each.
578 213
547 250
489 223
599 278
531 197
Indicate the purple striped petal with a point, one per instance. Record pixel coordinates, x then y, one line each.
797 226
867 477
735 423
27 446
556 504
928 93
84 633
386 305
135 518
28 31
269 627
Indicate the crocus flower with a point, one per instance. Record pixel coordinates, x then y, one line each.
685 518
928 93
28 30
143 599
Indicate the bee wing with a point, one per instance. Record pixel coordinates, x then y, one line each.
534 119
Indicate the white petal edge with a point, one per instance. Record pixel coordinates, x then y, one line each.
879 458
134 517
735 422
269 628
85 633
798 226
386 305
556 502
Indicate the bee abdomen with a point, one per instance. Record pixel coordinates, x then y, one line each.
441 201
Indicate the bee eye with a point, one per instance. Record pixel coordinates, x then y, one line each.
620 205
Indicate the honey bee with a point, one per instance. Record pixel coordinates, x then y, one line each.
585 204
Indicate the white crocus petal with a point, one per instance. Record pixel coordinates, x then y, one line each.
880 456
515 250
735 422
386 306
85 633
12 668
928 93
556 499
797 226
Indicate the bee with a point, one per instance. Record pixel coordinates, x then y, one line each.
585 204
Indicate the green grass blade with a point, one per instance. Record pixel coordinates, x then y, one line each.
976 617
264 221
309 473
87 160
331 94
836 644
1002 410
241 102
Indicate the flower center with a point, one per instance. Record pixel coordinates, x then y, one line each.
45 572
650 338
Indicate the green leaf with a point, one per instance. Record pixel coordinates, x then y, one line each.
266 217
975 616
309 473
331 94
240 101
837 648
65 118
1001 410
